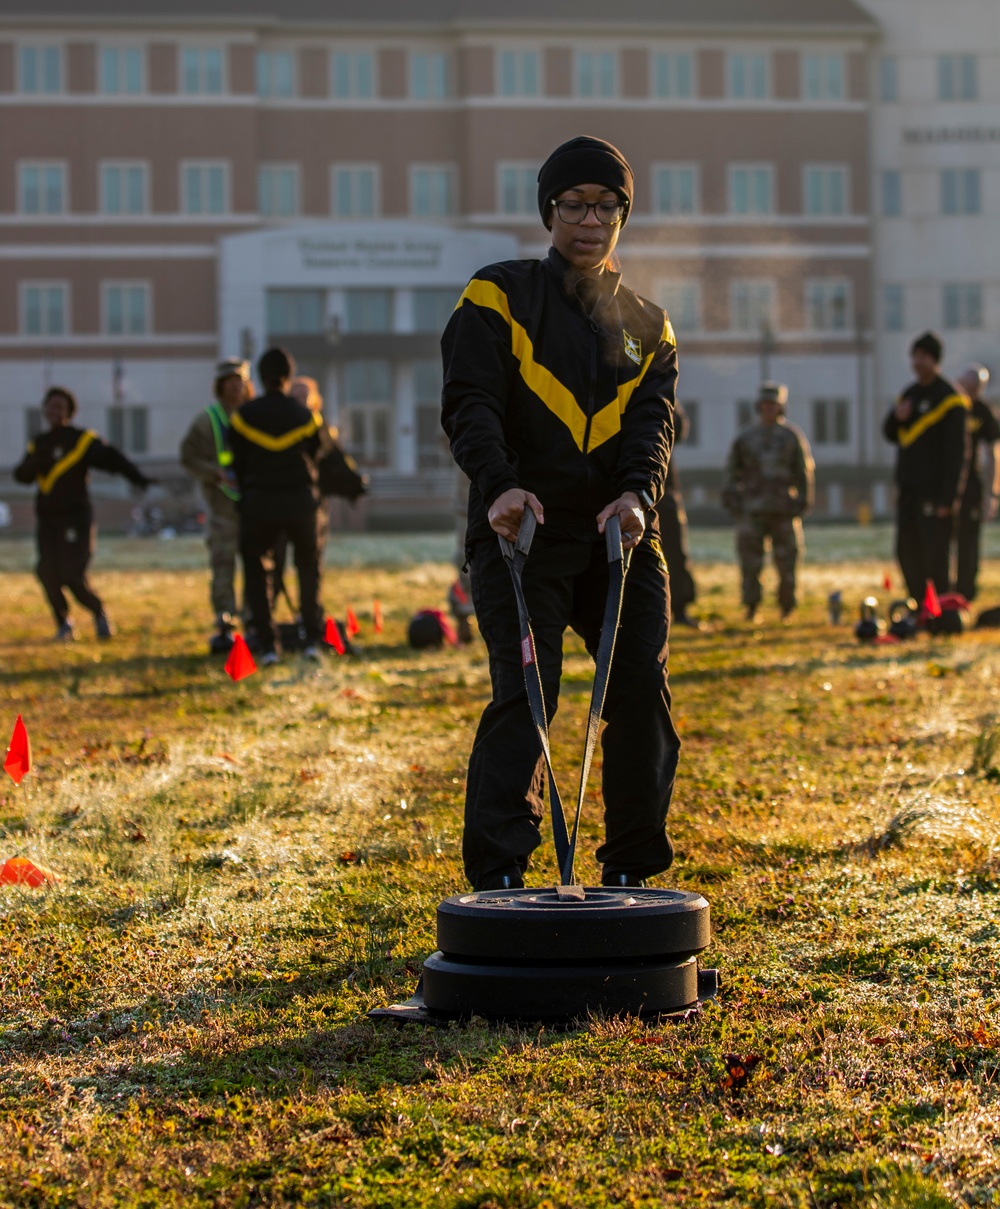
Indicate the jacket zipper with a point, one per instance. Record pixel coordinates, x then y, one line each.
594 329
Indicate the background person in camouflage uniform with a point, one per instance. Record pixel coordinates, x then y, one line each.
769 487
206 455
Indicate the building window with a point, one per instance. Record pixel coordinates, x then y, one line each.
682 302
823 77
825 190
432 192
34 423
594 74
692 413
892 194
275 74
672 75
828 305
352 75
745 414
831 421
369 310
42 188
517 188
675 189
44 308
125 309
205 188
128 428
354 190
957 78
432 308
432 450
888 79
278 191
121 70
40 69
750 189
368 412
960 191
748 77
124 189
201 71
751 306
296 312
893 308
430 75
519 73
963 305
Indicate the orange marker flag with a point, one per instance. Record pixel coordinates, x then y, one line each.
333 638
887 582
352 623
240 663
19 871
18 762
377 611
932 606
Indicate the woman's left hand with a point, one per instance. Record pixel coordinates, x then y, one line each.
630 515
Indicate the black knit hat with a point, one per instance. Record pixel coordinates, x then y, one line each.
584 161
929 342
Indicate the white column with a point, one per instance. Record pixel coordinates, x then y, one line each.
406 420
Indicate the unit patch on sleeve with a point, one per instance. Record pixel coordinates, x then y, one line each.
633 348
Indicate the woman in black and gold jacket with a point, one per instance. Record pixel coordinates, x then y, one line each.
59 462
558 396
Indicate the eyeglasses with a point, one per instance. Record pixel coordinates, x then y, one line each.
574 212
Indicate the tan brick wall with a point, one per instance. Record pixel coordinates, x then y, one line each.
81 67
857 77
242 70
476 71
711 74
6 66
313 72
558 72
787 74
392 73
635 73
162 61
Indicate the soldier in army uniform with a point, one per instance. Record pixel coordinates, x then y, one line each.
769 488
977 505
206 455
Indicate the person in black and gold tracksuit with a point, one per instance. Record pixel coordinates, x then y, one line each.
276 445
929 423
977 505
59 462
559 397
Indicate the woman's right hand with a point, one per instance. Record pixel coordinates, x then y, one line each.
506 511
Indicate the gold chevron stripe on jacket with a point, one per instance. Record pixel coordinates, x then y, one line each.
47 481
917 429
543 383
279 443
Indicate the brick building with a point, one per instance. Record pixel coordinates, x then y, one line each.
183 182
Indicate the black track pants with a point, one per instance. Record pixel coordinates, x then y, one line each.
967 531
565 584
923 543
65 547
674 538
265 519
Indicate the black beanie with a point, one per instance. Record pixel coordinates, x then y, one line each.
584 161
930 342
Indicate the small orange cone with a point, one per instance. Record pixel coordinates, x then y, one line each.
932 605
887 582
18 762
377 611
332 637
352 623
240 663
19 871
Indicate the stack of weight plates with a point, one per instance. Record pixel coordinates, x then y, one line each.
534 955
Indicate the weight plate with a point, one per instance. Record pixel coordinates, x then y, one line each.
512 992
606 925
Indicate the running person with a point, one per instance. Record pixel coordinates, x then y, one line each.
559 397
59 462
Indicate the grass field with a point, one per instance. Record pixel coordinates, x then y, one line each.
245 870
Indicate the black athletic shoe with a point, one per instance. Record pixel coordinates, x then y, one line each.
503 881
616 880
102 627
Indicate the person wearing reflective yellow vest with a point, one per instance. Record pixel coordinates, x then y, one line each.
558 396
929 424
206 454
58 462
276 448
